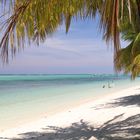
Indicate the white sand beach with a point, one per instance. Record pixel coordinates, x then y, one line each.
113 116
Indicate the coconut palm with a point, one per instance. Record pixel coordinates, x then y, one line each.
128 58
34 20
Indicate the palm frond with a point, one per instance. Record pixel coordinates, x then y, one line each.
34 20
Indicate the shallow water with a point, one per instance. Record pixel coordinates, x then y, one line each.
24 97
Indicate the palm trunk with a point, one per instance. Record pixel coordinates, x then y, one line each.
138 5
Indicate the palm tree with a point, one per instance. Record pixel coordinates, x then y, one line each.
34 20
123 18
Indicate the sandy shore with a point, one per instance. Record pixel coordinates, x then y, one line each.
112 117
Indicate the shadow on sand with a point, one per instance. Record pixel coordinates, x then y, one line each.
128 129
114 129
123 101
127 101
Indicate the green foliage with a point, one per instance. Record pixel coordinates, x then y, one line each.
34 20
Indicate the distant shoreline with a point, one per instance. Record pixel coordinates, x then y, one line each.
92 74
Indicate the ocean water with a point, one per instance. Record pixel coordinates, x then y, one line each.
27 97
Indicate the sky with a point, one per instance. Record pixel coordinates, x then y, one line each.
80 51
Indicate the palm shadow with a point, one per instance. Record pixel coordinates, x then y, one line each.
123 101
127 101
128 129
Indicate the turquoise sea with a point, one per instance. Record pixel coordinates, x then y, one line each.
27 97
